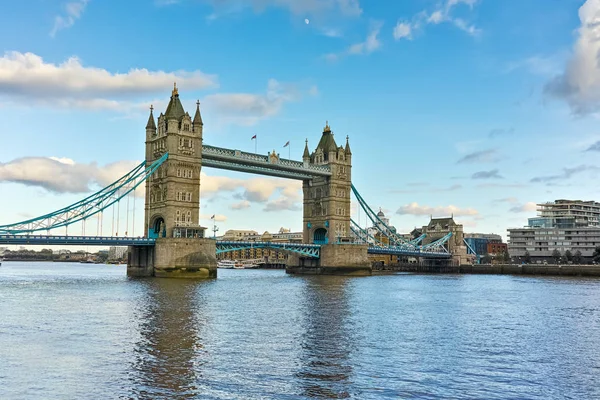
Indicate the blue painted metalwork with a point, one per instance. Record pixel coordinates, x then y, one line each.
407 252
75 240
236 160
307 250
89 206
419 239
396 241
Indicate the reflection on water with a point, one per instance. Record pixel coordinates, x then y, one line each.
71 331
326 338
168 352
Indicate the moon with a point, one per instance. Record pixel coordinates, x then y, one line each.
306 21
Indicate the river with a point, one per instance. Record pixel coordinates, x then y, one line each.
84 331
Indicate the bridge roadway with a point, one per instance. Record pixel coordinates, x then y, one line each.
307 250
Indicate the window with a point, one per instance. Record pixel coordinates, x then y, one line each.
178 173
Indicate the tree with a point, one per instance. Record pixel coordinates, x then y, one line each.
486 259
577 258
568 256
527 257
556 256
596 255
506 257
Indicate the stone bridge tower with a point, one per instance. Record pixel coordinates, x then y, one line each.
173 191
327 199
172 208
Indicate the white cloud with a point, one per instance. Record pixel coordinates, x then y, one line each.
62 175
527 207
218 217
402 30
579 84
248 109
27 77
347 8
368 46
275 193
416 209
242 205
73 11
442 14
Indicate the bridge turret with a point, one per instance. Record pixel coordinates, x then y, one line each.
306 155
197 123
151 125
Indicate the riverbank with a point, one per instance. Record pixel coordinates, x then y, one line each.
503 269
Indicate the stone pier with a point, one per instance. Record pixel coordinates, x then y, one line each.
174 258
336 259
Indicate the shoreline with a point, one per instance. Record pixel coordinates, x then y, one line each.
500 269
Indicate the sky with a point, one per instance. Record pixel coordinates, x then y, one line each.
473 108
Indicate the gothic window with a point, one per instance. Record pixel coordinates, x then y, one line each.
186 127
178 173
188 196
189 217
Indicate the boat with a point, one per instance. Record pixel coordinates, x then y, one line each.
236 264
246 264
226 264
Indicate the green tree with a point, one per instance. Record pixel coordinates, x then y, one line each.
527 257
486 259
578 258
568 256
596 255
556 256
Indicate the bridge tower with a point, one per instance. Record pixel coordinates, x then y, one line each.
327 208
172 208
327 199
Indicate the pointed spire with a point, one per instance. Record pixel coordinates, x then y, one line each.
198 118
348 151
175 109
306 152
151 124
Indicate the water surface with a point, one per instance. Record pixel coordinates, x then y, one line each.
72 331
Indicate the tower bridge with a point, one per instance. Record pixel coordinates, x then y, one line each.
174 243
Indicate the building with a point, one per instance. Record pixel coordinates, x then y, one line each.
440 227
326 203
482 243
266 255
117 253
562 225
173 191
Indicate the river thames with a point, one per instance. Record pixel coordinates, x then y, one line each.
74 331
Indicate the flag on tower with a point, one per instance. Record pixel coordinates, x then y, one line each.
253 137
213 217
287 144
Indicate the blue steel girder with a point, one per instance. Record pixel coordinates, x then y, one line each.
307 250
407 252
75 240
89 206
236 160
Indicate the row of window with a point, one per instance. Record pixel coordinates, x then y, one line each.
186 143
183 196
340 211
159 145
183 218
184 172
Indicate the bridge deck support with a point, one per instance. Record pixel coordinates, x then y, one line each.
174 258
336 259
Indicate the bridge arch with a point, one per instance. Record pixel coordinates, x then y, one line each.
320 236
157 227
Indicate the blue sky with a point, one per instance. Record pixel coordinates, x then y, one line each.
478 108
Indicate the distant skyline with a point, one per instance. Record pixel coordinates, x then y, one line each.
475 108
